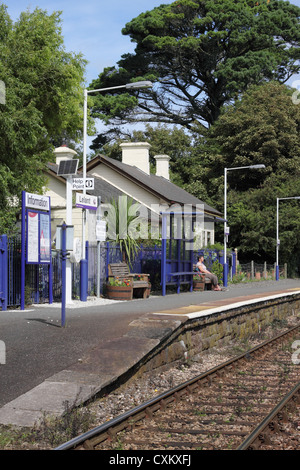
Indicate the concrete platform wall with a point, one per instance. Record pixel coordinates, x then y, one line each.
199 335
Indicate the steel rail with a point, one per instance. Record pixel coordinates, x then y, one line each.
258 431
152 403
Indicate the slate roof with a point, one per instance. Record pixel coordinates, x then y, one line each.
102 188
161 187
157 185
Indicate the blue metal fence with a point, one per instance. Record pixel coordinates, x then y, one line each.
147 260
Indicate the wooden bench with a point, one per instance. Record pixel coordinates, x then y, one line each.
137 281
208 283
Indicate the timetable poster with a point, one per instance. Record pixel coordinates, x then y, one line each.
38 238
32 237
45 230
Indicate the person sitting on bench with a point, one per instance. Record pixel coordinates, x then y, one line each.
202 268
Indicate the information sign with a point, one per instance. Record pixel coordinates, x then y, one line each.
86 202
35 236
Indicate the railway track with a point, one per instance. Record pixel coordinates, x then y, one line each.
280 430
236 405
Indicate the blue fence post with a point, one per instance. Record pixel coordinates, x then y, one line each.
87 267
50 274
3 272
164 255
191 262
83 278
23 253
141 257
107 260
50 270
233 263
178 261
36 284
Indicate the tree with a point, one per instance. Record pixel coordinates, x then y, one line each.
260 127
252 220
202 54
43 102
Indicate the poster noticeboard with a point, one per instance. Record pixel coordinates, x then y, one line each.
37 223
38 237
35 237
45 238
32 237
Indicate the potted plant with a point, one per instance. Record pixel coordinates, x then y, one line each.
198 282
122 213
119 289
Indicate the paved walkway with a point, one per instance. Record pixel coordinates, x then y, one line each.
45 364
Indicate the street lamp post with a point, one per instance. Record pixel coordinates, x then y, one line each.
226 228
277 232
134 85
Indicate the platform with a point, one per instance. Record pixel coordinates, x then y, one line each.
47 364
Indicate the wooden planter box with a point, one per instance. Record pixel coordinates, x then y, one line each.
139 282
119 292
199 285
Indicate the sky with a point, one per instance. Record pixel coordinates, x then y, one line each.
92 27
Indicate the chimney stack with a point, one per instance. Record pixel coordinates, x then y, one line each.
162 166
136 154
64 153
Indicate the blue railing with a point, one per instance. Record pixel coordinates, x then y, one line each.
147 260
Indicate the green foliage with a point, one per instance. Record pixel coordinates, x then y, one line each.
217 269
116 282
122 219
240 276
43 103
50 432
201 54
261 127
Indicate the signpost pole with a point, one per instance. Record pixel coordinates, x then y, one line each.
50 269
98 252
86 202
23 252
64 274
68 223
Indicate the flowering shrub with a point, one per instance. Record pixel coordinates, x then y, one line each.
139 277
198 277
119 282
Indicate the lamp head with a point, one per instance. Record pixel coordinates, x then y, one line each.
257 166
142 84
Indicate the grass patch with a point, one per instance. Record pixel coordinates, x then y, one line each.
50 432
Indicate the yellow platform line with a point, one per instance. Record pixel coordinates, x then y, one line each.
193 311
185 310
